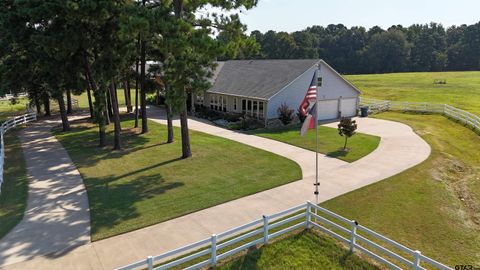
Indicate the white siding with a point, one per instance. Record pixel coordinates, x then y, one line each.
334 87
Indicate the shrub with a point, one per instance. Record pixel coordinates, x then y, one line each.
347 128
285 114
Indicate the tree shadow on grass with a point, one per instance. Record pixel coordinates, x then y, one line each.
112 203
338 153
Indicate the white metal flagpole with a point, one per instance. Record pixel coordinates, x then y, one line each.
316 140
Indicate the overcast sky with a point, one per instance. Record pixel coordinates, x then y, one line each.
293 15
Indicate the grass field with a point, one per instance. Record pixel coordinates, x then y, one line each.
306 250
13 199
433 207
83 98
8 110
147 183
330 143
462 89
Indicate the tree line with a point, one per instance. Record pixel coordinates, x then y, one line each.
419 47
54 48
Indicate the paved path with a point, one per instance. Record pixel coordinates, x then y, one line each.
57 217
400 148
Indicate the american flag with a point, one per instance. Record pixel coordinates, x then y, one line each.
308 106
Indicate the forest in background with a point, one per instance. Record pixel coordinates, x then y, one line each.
356 50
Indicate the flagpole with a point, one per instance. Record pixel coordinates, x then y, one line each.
316 142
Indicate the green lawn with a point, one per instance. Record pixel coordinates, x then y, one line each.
330 143
13 198
8 110
83 98
433 207
462 89
147 183
305 250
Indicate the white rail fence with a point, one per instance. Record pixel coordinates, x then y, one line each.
467 118
7 125
209 251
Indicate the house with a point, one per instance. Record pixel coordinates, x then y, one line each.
259 87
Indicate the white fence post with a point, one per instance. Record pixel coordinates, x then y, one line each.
353 235
150 263
309 212
265 229
416 260
214 249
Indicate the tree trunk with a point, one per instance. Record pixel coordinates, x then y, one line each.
116 117
136 94
128 100
109 106
46 104
63 113
99 100
36 99
89 96
69 102
143 93
345 145
170 138
186 151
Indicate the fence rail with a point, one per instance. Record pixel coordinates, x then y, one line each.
7 125
377 105
208 251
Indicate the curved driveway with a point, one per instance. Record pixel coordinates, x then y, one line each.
399 149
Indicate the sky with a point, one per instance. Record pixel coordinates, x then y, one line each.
293 15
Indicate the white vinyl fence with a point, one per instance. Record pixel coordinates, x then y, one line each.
11 123
467 118
209 251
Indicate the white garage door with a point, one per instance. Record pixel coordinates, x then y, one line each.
327 109
349 107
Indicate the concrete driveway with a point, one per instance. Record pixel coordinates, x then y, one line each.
399 149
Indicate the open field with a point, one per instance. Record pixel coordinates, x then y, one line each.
147 182
8 110
462 89
13 199
305 250
433 207
330 143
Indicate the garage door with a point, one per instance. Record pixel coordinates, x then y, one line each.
349 107
327 109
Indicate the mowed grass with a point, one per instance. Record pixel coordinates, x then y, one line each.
13 199
329 141
7 109
83 98
462 89
433 207
147 182
305 250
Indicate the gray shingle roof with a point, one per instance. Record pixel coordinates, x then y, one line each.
258 78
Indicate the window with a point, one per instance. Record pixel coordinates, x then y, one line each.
244 105
255 109
211 101
235 104
319 82
249 107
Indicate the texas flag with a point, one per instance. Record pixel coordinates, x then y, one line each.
308 106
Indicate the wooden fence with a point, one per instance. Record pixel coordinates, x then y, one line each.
7 125
467 118
209 251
